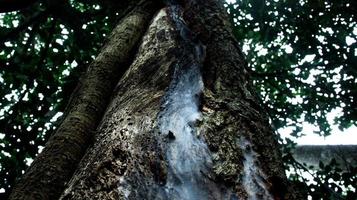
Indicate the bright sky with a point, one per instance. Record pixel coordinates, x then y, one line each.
348 136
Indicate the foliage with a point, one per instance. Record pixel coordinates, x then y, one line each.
303 65
45 47
39 68
301 61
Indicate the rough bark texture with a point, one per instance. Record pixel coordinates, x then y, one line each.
126 139
231 110
132 156
46 177
169 132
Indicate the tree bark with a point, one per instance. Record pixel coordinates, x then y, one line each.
184 122
46 177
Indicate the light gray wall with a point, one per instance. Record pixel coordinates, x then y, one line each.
312 154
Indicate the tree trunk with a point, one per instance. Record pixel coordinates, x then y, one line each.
46 177
172 132
184 121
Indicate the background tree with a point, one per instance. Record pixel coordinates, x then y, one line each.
43 43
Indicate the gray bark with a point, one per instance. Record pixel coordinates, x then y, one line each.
184 121
46 177
126 139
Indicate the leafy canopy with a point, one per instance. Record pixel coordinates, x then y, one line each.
303 60
301 53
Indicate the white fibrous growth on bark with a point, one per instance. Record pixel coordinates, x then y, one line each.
253 177
187 155
189 160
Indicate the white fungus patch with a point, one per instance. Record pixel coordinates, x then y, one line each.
253 178
124 188
188 157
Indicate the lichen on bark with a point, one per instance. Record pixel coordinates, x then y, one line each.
231 108
131 156
134 162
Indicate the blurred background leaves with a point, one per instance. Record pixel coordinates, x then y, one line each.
302 55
